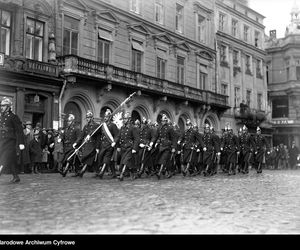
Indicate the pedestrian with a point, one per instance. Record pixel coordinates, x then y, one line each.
28 135
11 139
293 153
246 149
58 152
50 146
36 152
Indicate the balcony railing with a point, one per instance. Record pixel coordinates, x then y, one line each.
78 65
41 68
250 114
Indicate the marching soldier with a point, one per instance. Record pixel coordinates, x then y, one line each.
167 144
261 146
11 139
223 158
146 140
127 142
210 149
109 132
246 149
231 147
69 137
178 134
217 156
189 142
90 150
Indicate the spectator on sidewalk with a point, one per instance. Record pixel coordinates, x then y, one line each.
36 152
293 153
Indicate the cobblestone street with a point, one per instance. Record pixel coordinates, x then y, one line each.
241 204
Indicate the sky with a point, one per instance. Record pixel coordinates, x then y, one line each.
276 12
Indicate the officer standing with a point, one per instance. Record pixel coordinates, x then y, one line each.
261 146
90 148
108 133
69 137
246 149
11 139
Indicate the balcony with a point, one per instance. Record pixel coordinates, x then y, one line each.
72 64
250 117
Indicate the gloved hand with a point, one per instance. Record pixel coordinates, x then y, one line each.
142 145
133 151
219 153
88 137
21 146
204 149
59 140
97 150
52 145
119 149
178 142
198 150
113 144
173 150
74 145
150 144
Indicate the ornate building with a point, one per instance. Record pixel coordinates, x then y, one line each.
241 64
283 62
73 56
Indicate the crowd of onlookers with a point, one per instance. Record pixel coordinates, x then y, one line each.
282 157
44 151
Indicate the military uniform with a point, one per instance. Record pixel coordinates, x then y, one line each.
11 136
261 146
147 138
246 150
212 147
88 150
127 140
230 148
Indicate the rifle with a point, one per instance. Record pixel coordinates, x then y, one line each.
86 139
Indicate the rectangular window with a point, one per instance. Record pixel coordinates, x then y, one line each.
71 36
246 33
161 68
224 89
34 39
180 69
257 39
248 65
179 18
298 72
223 53
258 68
221 22
259 101
136 60
203 74
235 57
201 28
280 107
159 11
103 51
135 6
236 96
248 97
5 29
234 27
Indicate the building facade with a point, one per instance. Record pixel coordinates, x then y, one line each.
241 64
283 62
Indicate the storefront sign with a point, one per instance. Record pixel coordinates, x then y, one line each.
283 122
1 59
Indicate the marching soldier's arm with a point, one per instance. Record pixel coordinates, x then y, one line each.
200 143
136 138
216 143
17 125
80 135
172 136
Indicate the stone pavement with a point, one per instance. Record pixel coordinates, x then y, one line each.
242 204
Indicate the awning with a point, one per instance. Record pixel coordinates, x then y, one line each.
161 54
104 34
203 69
137 46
